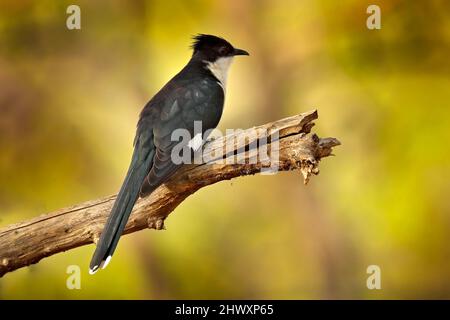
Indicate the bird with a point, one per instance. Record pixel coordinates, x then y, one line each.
196 93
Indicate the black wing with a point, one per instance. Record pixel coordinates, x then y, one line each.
200 100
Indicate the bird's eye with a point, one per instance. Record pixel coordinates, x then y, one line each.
223 51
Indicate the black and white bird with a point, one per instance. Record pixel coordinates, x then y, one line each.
196 93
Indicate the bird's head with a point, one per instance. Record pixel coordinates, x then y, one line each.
216 54
212 48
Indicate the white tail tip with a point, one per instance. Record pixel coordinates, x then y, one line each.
106 262
93 270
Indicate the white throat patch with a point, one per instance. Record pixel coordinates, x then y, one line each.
219 69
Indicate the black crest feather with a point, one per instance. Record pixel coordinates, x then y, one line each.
202 40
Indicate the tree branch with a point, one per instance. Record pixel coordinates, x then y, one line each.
28 242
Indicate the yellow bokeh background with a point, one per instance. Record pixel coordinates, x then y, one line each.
70 100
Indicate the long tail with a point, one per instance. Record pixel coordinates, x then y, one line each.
128 194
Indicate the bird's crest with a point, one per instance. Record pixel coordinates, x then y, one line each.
202 40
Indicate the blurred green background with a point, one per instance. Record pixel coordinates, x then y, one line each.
70 100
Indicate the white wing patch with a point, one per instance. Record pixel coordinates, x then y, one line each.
196 142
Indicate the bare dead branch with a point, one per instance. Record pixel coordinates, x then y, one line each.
28 242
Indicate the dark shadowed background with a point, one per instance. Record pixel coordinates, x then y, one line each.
69 102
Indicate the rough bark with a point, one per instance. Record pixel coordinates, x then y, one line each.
28 242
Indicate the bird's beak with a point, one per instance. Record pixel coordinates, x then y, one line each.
240 52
